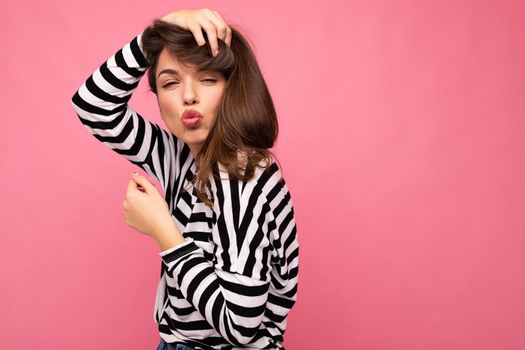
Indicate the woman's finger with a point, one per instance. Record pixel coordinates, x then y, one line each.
197 33
211 31
131 186
220 25
143 184
228 32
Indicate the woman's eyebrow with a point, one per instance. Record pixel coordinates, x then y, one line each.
168 71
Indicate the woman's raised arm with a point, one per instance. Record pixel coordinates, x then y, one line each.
101 103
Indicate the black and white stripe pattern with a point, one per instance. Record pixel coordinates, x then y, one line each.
231 284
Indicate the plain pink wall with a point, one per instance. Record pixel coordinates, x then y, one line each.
402 137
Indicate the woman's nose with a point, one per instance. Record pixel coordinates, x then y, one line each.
190 97
190 100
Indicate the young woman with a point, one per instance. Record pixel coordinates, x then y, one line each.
225 227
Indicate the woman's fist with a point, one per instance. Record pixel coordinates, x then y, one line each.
144 208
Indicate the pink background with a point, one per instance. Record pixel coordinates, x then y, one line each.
402 140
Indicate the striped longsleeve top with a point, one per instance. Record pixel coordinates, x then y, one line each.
233 281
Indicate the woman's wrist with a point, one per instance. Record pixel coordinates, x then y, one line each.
168 236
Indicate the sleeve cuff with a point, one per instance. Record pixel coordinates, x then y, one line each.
174 253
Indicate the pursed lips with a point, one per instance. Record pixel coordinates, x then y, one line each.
190 113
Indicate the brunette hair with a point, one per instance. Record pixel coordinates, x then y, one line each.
246 121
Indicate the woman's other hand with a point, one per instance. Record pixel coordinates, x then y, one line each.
196 20
145 209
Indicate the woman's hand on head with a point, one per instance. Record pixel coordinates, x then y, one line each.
145 209
197 20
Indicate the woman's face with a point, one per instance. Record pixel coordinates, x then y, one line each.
179 89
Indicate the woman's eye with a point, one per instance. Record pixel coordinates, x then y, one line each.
206 80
